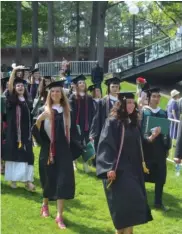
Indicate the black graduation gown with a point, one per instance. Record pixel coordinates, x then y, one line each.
155 153
126 197
178 153
104 107
11 150
82 115
57 179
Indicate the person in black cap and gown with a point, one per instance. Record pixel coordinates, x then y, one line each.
18 152
83 110
104 107
120 166
41 97
56 135
156 147
34 82
4 88
96 95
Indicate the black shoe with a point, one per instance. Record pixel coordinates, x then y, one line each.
161 207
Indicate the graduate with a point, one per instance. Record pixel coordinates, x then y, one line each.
40 100
156 147
96 95
55 134
83 110
120 166
34 82
72 89
18 152
4 88
104 107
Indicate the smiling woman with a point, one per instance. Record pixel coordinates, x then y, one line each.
18 152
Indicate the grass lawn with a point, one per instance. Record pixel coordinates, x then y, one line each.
88 212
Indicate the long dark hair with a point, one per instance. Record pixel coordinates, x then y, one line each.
13 97
119 112
42 90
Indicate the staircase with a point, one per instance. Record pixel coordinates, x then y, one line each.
165 51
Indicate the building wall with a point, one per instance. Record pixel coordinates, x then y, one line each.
8 55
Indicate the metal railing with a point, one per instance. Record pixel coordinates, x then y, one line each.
147 54
56 68
173 131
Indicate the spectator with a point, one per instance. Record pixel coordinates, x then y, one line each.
180 106
178 153
97 75
173 112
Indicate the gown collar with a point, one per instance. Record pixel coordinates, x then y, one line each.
113 98
57 107
153 110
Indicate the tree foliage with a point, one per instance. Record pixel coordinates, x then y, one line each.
154 21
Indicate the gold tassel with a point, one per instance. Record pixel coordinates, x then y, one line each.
19 144
145 169
110 183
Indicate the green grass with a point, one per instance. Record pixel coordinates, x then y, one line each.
88 212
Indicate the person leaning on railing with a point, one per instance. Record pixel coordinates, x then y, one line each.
178 153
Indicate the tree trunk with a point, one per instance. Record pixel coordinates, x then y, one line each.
77 29
35 56
93 31
50 32
18 32
102 6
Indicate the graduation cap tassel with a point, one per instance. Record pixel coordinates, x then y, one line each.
145 169
119 154
52 144
18 126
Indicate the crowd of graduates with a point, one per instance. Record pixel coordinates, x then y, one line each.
69 120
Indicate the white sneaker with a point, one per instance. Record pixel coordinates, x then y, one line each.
13 185
74 166
86 167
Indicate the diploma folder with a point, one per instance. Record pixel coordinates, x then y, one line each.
153 122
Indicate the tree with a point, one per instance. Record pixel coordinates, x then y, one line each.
77 29
34 33
18 32
93 31
102 6
50 32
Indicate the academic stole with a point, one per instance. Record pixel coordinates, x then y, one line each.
145 169
18 124
52 149
86 113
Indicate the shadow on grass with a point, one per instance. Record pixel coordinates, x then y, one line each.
170 201
89 174
37 197
83 229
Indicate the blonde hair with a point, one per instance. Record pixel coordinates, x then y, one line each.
63 102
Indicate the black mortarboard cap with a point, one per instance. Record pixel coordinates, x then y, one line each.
126 95
35 70
23 69
54 84
92 87
113 80
152 90
78 78
19 80
47 77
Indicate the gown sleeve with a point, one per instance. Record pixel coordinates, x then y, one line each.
107 148
75 140
178 153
